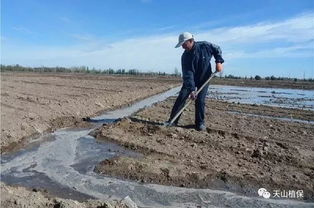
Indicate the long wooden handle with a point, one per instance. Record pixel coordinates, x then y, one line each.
190 100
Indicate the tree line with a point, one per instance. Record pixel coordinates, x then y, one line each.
81 69
85 69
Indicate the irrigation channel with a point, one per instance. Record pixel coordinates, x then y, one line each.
62 162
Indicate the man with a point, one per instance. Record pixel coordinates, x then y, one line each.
196 69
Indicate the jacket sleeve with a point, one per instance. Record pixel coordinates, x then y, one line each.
187 75
216 53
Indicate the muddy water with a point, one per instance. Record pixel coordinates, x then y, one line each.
63 163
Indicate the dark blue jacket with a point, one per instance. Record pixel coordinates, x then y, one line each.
196 67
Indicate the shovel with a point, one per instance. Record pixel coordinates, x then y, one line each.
190 100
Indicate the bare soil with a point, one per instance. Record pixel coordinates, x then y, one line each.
20 197
236 152
34 103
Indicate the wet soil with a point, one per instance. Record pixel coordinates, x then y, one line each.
237 152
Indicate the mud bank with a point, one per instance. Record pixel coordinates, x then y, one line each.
237 152
20 197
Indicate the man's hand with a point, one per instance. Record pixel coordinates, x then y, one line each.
219 67
193 95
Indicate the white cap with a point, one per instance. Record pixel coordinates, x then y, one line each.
184 37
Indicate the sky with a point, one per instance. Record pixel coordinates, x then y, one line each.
257 37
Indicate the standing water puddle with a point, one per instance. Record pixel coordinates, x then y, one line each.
63 164
289 98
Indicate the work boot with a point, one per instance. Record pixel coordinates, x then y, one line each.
201 127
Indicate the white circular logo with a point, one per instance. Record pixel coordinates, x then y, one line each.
266 195
261 191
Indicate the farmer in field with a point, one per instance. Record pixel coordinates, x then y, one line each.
196 69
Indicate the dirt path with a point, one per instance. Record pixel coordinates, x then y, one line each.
33 103
237 152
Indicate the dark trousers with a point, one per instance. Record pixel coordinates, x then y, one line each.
199 105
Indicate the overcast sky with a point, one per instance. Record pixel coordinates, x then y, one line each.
260 37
